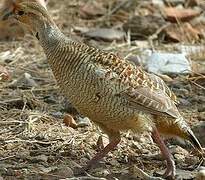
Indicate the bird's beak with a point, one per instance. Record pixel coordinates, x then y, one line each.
6 14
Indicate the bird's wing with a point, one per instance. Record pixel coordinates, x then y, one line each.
151 101
143 91
161 85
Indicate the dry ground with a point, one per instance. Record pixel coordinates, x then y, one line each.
34 141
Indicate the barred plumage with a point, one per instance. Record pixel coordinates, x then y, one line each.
110 90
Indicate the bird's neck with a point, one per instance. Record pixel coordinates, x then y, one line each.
53 42
50 36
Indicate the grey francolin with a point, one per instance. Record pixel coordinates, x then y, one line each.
112 92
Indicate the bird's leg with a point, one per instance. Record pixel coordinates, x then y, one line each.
113 142
171 170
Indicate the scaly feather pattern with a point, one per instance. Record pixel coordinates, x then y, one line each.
145 91
110 90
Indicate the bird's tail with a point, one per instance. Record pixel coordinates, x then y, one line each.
188 134
192 138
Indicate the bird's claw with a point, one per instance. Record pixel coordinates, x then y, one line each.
171 170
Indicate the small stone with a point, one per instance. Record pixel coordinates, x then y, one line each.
168 63
83 121
105 34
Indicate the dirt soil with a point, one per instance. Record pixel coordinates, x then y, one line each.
36 144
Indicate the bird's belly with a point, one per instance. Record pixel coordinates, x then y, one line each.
95 99
98 105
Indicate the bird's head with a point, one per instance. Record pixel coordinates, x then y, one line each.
31 14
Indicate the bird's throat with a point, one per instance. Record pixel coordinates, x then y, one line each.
50 36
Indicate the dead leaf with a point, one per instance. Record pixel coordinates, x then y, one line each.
69 121
175 14
184 33
141 27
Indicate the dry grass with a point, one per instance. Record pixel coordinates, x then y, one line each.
34 142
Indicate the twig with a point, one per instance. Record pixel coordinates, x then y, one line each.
115 9
140 173
155 35
50 88
30 141
11 122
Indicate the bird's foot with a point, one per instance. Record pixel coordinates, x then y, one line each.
171 169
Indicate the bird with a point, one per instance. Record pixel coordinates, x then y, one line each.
114 93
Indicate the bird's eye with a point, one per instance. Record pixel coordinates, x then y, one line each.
20 13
